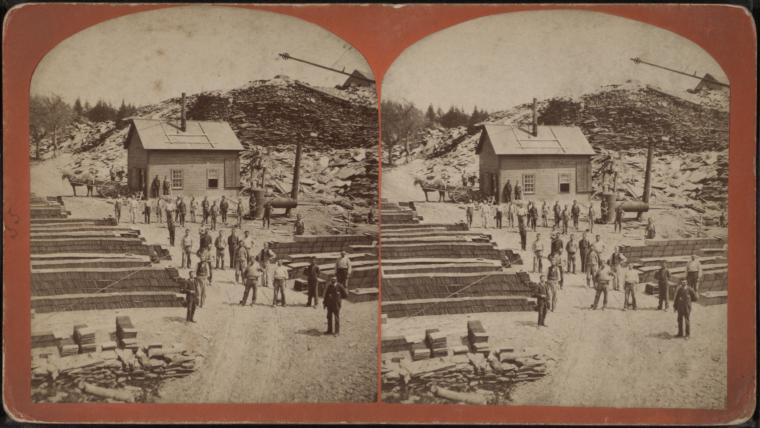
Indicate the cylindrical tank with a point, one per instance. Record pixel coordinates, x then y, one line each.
611 201
283 203
258 194
634 206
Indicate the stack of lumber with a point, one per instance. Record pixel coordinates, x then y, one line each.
66 345
436 341
51 282
442 285
477 337
394 344
81 264
474 377
671 247
84 337
126 333
43 339
460 305
420 351
325 249
117 300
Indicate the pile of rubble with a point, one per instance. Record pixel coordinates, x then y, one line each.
95 365
338 129
690 168
485 377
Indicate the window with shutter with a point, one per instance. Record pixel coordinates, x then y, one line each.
232 173
583 176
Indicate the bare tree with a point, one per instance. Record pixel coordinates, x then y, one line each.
48 116
401 120
37 129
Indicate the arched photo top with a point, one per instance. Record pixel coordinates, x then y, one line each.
498 61
147 57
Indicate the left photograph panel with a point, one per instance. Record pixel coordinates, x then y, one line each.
204 187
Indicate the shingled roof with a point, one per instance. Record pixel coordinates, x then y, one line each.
198 135
551 140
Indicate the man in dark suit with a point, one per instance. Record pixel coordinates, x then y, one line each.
312 279
682 304
192 296
542 300
334 293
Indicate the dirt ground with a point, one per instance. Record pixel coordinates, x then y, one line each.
610 358
250 353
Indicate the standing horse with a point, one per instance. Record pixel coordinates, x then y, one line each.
436 185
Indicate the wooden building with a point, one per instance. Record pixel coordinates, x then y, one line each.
550 162
197 157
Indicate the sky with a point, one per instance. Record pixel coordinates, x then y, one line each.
500 61
147 57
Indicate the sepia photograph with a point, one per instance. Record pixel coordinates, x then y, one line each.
204 182
554 216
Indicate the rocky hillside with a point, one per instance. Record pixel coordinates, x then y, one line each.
338 129
690 170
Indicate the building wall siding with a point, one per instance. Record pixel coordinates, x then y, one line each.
195 166
489 164
137 157
546 170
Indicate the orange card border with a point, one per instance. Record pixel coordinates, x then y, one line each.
381 33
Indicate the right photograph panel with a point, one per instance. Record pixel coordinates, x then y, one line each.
554 216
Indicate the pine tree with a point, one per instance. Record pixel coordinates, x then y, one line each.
430 115
78 109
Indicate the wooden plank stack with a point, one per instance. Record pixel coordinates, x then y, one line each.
126 333
436 341
478 337
85 337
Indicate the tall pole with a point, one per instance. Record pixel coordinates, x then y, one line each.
647 176
296 174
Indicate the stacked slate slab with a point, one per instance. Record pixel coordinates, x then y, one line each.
672 247
325 249
436 269
86 264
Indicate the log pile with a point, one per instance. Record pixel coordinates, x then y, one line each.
110 375
475 378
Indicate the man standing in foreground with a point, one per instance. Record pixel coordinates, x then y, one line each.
542 300
251 276
583 247
523 232
663 285
553 278
187 246
334 293
682 304
602 282
631 279
312 280
221 247
538 254
343 269
694 273
280 276
192 294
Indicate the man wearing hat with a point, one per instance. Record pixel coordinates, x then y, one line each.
631 279
682 304
343 269
334 293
